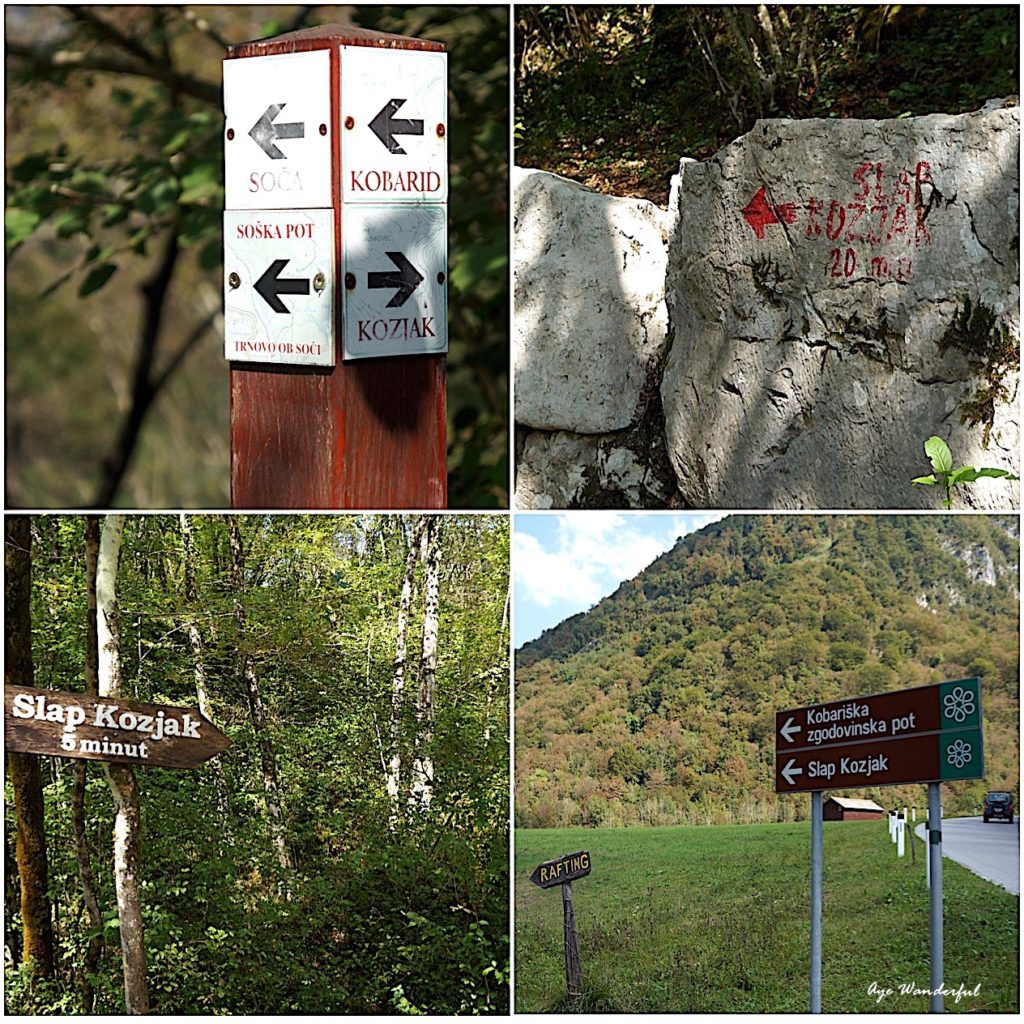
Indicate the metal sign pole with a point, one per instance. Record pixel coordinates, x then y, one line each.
935 896
816 872
573 982
927 856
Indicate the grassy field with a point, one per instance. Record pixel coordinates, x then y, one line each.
715 919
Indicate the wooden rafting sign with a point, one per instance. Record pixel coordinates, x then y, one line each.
564 871
57 724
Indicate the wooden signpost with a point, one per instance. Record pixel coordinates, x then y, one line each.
929 734
335 269
56 724
564 871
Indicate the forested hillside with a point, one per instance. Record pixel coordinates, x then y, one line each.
349 851
658 705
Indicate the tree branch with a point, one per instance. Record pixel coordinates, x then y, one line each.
179 357
85 16
155 293
42 61
300 17
200 24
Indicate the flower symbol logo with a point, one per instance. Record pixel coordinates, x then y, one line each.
959 704
958 754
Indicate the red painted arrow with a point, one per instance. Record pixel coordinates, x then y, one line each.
759 213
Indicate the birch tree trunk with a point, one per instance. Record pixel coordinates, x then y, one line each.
492 677
23 769
81 773
394 768
195 641
421 791
257 712
121 778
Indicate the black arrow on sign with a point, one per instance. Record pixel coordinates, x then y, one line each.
270 286
407 279
265 133
386 127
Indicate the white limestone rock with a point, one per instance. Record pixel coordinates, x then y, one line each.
563 470
590 315
818 271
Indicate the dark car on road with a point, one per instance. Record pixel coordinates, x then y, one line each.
998 805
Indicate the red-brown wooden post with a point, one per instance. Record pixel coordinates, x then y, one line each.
315 423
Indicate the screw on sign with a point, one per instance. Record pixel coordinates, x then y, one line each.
56 724
564 871
320 123
927 734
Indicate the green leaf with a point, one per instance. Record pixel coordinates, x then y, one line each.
998 473
928 480
96 279
114 213
71 222
203 182
963 475
938 452
18 225
210 255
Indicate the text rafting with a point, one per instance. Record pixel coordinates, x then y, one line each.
579 862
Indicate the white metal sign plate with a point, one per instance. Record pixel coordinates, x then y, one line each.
279 286
396 102
396 261
277 132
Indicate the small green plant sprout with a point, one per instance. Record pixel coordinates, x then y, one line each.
945 475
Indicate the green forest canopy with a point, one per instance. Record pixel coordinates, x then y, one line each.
658 705
376 915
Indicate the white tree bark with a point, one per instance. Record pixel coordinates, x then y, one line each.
78 797
393 776
491 676
421 790
195 640
120 778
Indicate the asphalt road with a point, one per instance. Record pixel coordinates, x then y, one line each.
991 851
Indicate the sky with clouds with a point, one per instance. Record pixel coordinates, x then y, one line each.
565 563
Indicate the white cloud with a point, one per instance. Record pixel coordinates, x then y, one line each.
593 554
549 577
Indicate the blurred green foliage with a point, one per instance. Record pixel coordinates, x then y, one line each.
122 153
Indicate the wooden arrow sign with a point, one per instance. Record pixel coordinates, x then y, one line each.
107 729
565 869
